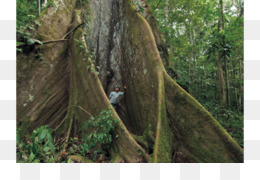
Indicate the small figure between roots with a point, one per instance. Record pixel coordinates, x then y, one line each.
114 96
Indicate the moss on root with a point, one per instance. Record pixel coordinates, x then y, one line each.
164 137
201 136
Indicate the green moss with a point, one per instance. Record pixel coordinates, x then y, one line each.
164 137
140 140
202 137
148 136
23 130
116 159
79 159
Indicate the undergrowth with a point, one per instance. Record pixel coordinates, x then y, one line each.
41 147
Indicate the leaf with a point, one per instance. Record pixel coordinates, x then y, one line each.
43 135
30 27
30 41
30 15
31 157
46 149
20 32
141 9
37 22
36 161
70 161
20 50
31 97
19 43
28 34
50 139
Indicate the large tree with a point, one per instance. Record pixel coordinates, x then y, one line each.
158 120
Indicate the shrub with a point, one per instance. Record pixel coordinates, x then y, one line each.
40 147
100 137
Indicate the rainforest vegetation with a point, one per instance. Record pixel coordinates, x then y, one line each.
203 38
182 64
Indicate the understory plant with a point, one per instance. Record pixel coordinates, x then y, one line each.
39 148
98 138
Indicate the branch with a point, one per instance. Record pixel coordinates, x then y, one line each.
72 30
37 42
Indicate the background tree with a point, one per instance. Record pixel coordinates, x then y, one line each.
206 37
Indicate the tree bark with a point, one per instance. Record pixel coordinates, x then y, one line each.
157 109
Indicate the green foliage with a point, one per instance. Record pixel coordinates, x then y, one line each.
139 7
91 55
194 42
22 131
27 11
26 23
40 147
99 138
80 43
232 121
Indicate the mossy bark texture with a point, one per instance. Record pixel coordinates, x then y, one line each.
158 120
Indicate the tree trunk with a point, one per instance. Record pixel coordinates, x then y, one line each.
233 65
45 3
156 109
222 96
166 11
241 90
39 6
222 25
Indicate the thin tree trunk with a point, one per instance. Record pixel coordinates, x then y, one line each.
220 74
237 102
166 11
236 89
226 82
190 60
241 84
222 25
39 6
195 61
45 3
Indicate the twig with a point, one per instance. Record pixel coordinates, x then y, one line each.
84 110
